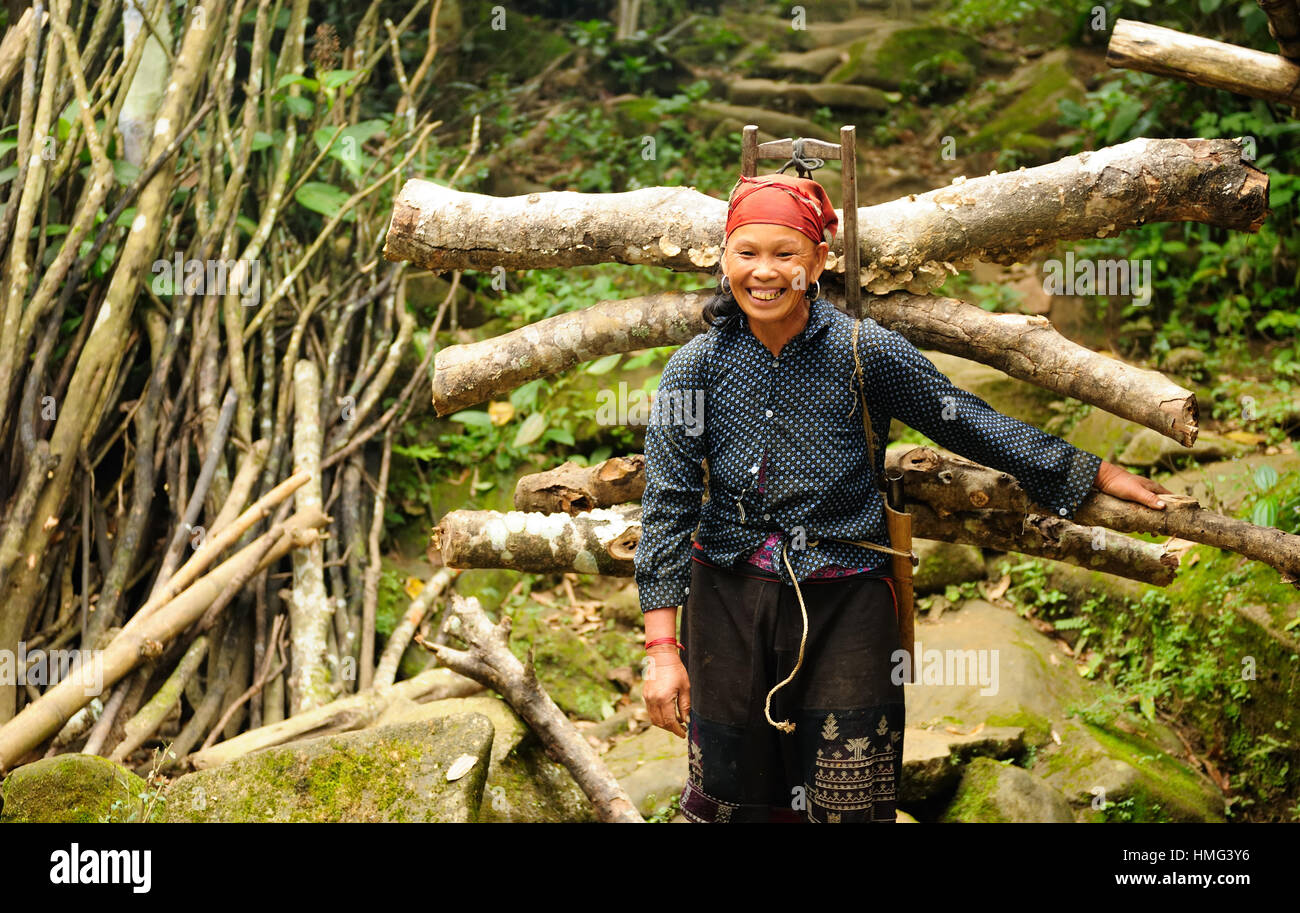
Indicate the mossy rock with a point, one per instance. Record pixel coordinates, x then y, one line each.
1008 395
887 58
1151 448
1025 116
524 785
991 792
574 670
945 564
1102 433
651 766
1107 770
391 773
72 789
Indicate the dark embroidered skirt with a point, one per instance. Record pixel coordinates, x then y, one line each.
843 762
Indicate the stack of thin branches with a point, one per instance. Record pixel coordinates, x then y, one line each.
203 361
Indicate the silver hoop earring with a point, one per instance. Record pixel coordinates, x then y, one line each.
813 296
726 286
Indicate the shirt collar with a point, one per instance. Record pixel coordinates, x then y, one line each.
820 313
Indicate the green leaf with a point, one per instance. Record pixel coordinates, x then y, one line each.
323 198
1265 513
8 174
6 145
335 78
600 455
525 397
604 365
261 140
531 429
126 217
299 106
1148 706
472 417
1265 477
125 172
50 231
563 435
289 79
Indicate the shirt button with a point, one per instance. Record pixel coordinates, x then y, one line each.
769 413
1063 511
754 468
767 516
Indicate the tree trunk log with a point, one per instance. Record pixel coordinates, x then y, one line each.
490 662
1215 64
1026 347
912 243
572 489
146 722
400 639
343 715
595 542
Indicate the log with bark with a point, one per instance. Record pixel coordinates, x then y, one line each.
1214 64
913 243
1026 347
1284 25
544 543
572 489
489 661
958 500
594 542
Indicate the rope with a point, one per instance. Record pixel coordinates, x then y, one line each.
803 165
786 725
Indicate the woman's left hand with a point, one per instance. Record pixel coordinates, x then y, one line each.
1123 484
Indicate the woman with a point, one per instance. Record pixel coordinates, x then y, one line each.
790 633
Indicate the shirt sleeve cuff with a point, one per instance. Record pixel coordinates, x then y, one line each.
1078 483
661 594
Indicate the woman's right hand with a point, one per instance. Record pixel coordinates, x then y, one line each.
667 691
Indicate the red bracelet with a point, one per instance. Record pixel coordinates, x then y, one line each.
666 640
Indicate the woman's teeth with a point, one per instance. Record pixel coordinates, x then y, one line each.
766 296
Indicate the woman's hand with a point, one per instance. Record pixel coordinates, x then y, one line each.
667 690
1123 484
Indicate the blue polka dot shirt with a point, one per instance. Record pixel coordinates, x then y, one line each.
800 412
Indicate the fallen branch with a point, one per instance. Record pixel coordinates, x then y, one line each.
343 715
400 638
146 722
913 243
489 661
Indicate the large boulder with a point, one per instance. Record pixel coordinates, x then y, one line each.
932 758
651 766
891 55
991 792
1151 448
1109 774
392 773
1024 114
1033 685
945 564
524 785
72 789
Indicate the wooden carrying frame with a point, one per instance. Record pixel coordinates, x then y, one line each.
846 154
898 522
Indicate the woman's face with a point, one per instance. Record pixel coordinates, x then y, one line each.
762 259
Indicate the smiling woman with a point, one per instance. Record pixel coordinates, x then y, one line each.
791 623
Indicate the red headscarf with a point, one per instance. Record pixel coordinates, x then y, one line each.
799 203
